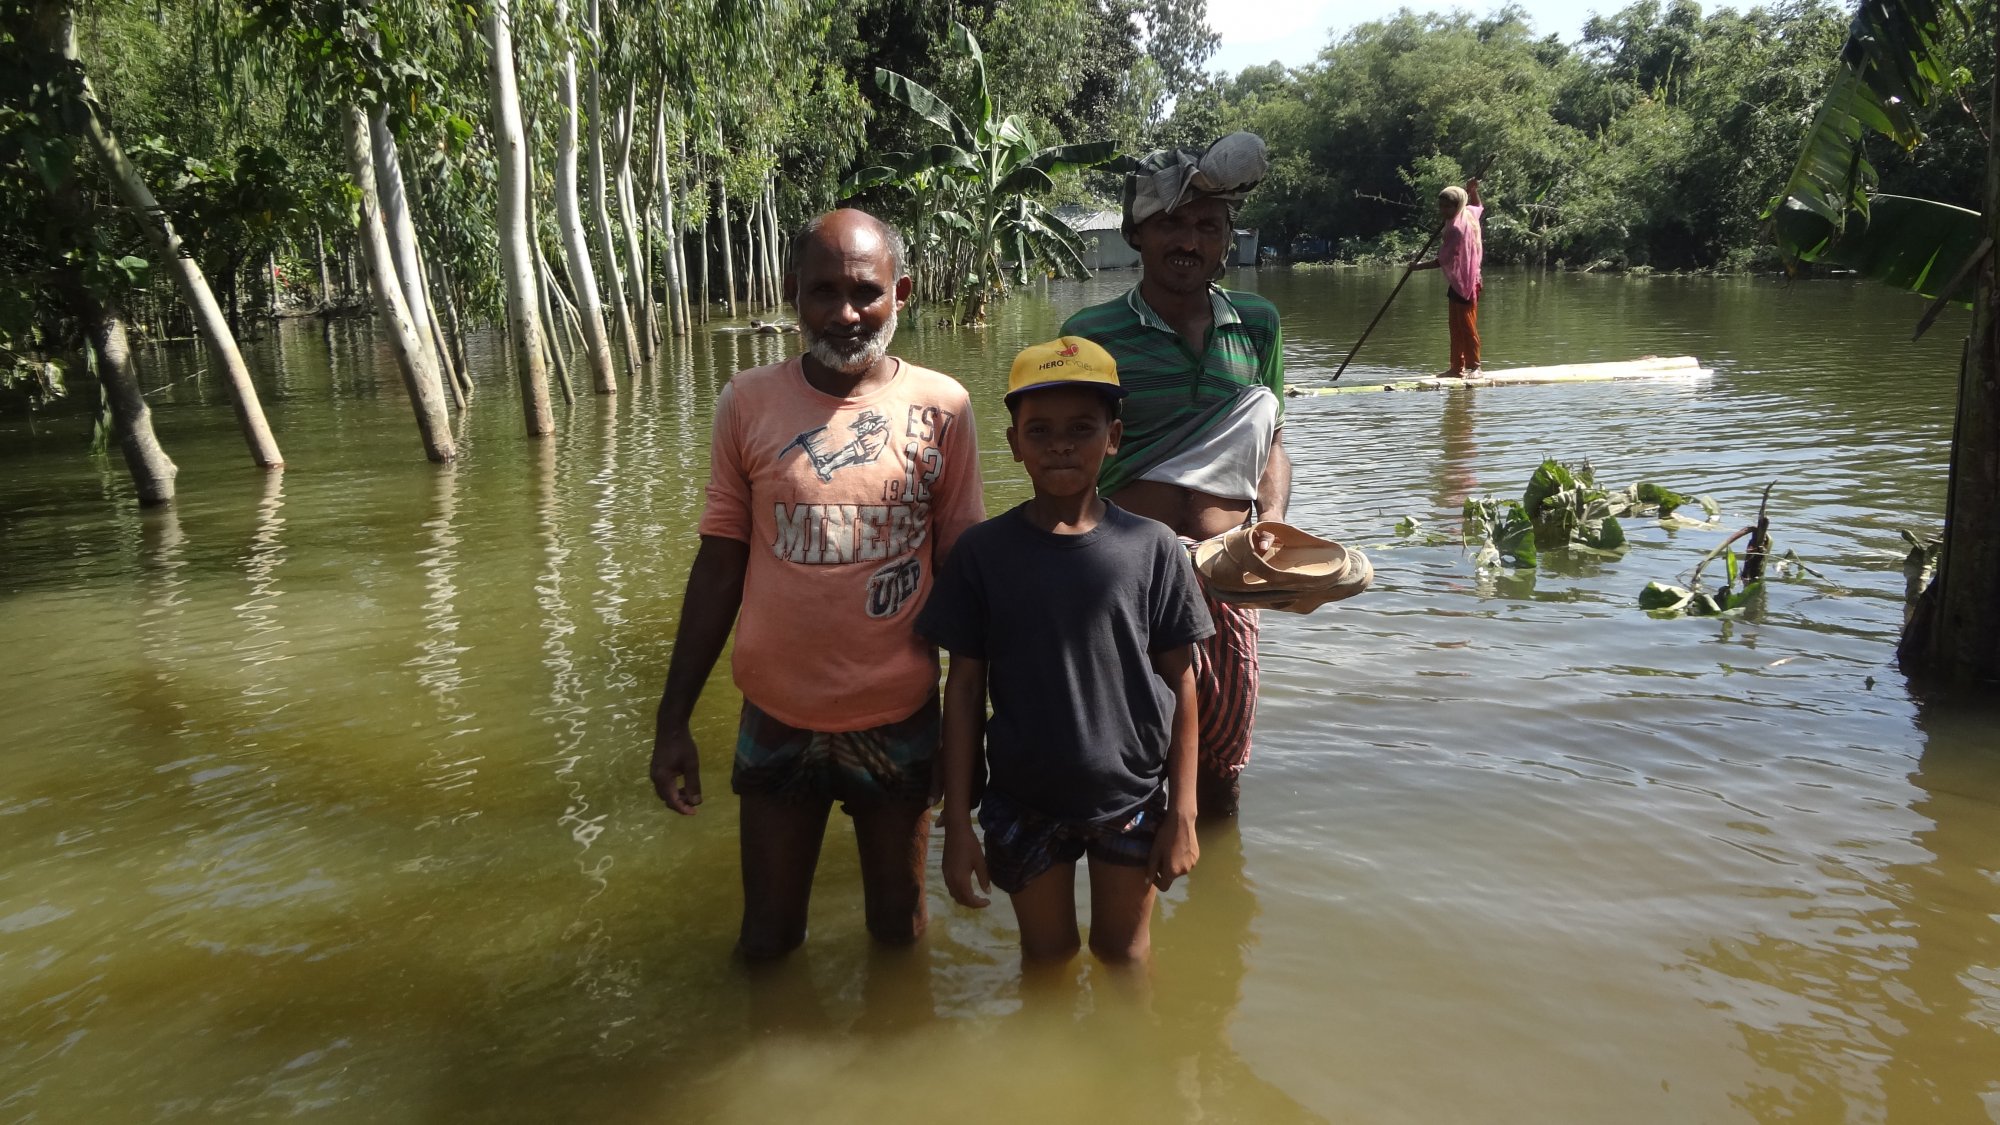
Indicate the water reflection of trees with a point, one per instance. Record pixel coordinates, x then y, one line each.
1896 1015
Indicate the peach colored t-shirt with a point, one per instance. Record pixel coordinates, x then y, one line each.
848 506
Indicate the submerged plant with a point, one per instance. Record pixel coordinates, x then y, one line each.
1743 583
1565 509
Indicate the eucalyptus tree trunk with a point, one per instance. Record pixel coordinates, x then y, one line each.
722 228
775 245
447 342
600 213
455 384
566 317
152 470
679 243
402 231
413 358
635 263
1954 636
676 318
569 219
707 305
551 347
753 282
651 282
174 257
325 279
517 262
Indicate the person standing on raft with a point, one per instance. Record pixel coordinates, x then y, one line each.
1460 253
1203 448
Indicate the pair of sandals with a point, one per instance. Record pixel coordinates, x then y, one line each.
1298 574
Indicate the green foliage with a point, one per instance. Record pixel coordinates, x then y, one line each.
1744 578
1891 69
1653 142
971 197
1504 531
1563 508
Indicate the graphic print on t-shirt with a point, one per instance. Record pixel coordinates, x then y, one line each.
830 534
871 437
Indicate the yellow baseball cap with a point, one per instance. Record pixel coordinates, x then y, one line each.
1062 362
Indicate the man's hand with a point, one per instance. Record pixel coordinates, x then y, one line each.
1175 850
964 862
676 760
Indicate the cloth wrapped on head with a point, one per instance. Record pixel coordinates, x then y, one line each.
1165 179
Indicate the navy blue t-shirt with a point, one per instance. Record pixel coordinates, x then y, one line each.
1067 625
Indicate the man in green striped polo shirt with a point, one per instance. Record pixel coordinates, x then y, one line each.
1203 450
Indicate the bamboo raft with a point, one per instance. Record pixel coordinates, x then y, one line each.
1683 368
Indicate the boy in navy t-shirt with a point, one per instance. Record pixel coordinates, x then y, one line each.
1078 619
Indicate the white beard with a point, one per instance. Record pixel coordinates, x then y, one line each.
866 353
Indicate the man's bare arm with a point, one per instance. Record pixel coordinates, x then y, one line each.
708 613
1274 491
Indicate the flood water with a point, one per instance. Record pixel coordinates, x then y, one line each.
324 792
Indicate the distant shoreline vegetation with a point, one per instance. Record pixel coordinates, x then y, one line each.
1655 141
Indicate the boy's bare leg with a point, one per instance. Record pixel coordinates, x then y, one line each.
1121 912
895 840
1045 910
779 839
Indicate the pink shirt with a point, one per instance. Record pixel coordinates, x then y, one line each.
1462 251
848 505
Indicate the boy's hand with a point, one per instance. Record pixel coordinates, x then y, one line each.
675 759
964 861
1175 849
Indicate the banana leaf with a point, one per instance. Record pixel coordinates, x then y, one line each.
919 100
1052 162
1890 68
962 39
1913 244
901 167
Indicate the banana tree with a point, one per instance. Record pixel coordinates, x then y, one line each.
1891 68
988 174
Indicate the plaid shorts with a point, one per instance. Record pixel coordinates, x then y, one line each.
1022 843
1225 686
892 761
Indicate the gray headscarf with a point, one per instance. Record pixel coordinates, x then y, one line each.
1165 179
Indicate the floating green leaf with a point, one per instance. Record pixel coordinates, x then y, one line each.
1665 499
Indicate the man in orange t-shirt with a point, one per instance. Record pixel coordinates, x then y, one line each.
837 482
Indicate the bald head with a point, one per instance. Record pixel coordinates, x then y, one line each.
845 234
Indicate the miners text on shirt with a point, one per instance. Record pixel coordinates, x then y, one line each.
832 534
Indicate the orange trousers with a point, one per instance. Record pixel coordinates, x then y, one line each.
1464 320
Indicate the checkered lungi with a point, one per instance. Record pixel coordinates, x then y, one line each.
1225 684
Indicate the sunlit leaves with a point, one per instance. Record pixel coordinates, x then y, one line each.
1891 67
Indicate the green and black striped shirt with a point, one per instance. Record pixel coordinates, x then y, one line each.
1175 394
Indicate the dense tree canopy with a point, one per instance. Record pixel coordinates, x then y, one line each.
1655 140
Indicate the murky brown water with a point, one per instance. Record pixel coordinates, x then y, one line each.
324 793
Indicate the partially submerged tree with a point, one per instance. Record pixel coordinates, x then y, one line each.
62 251
1891 68
517 258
